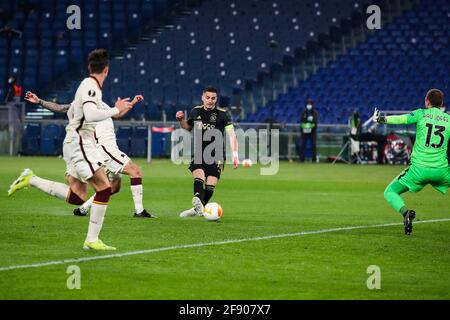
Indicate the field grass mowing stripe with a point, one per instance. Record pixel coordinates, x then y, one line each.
196 245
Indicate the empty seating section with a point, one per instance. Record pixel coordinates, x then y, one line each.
139 141
391 70
225 43
40 139
221 43
51 140
123 135
47 49
31 139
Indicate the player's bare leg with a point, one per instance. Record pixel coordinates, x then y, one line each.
84 208
74 193
78 188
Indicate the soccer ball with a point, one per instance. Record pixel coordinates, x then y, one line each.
247 163
212 211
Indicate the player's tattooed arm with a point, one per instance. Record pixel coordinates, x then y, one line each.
33 98
55 107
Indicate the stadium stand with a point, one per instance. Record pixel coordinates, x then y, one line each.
123 134
266 56
139 141
31 139
173 66
51 142
414 53
48 51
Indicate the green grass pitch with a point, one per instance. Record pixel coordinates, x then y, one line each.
36 228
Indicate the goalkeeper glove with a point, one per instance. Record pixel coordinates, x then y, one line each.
377 117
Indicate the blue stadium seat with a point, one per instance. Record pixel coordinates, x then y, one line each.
123 136
236 56
378 72
154 112
31 139
51 142
139 141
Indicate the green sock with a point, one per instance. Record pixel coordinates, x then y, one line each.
403 211
392 196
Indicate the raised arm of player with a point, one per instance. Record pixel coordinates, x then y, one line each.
94 114
401 119
234 145
135 101
183 122
33 98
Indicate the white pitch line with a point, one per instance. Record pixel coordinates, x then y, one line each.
196 245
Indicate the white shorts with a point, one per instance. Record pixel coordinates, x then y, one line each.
82 160
114 159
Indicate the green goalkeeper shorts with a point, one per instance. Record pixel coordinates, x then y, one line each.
416 178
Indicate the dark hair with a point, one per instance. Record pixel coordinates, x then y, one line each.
436 97
211 89
98 60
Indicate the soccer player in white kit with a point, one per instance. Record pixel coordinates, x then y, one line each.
76 191
116 161
84 162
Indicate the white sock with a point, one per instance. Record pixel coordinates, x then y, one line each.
56 189
87 205
136 191
96 221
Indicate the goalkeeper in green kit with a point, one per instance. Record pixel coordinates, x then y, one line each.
429 163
